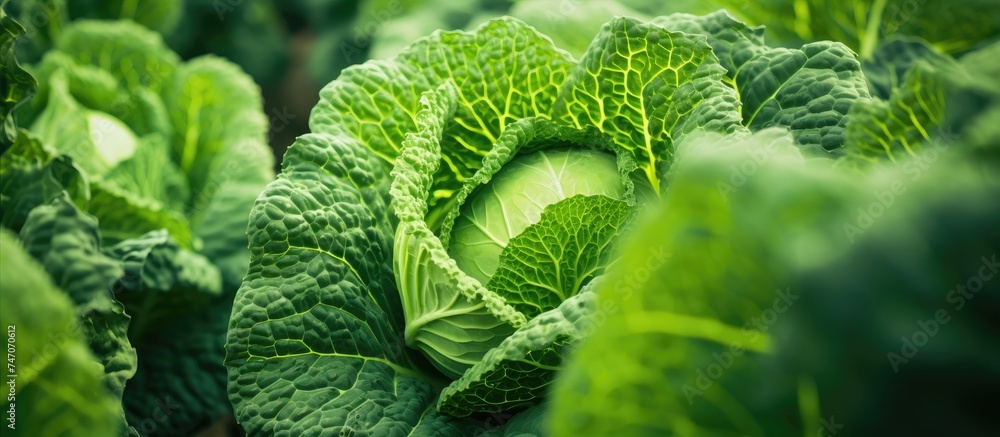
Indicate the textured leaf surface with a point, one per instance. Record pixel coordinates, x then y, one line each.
733 42
16 85
552 259
503 71
162 280
449 315
645 86
519 371
179 337
59 382
67 243
808 90
315 344
887 68
899 126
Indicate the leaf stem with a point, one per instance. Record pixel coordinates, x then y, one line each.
871 36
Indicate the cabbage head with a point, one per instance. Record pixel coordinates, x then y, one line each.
426 256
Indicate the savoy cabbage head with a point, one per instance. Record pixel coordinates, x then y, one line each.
426 258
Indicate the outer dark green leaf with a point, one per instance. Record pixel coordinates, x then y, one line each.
58 383
16 85
733 42
315 342
67 243
162 280
179 386
899 126
808 90
886 70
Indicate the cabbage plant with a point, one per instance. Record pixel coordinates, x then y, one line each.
424 261
127 177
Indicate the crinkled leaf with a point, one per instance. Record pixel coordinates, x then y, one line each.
899 126
58 382
808 90
29 177
645 86
887 68
180 335
449 315
552 259
733 42
316 337
490 94
162 280
518 372
67 244
504 70
16 85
